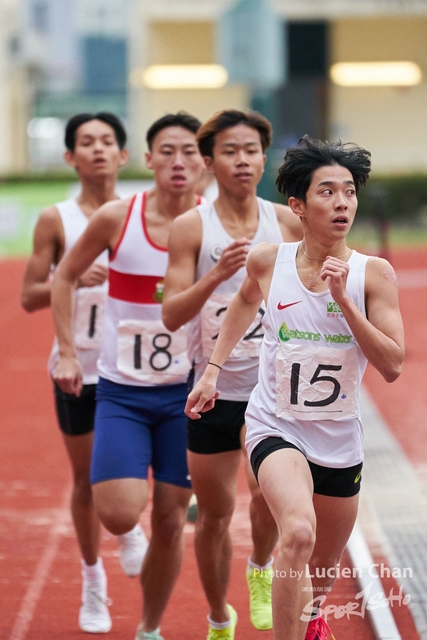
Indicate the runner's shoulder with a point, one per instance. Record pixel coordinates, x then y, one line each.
261 258
188 225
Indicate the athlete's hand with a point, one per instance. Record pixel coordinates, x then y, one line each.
68 375
335 272
233 258
201 399
94 276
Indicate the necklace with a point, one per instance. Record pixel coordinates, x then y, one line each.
323 259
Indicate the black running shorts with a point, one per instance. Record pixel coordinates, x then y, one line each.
340 483
75 414
218 430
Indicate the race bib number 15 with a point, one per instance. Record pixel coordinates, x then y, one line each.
316 384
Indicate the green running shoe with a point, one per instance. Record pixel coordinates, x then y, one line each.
224 634
259 584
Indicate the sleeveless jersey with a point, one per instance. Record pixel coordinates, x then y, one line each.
89 302
136 348
239 373
311 368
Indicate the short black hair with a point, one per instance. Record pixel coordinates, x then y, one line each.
310 154
231 118
81 118
180 119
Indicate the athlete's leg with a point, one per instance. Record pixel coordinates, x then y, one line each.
286 482
165 552
122 453
263 525
214 479
335 521
85 519
120 502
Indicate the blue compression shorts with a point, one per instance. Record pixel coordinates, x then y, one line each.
138 427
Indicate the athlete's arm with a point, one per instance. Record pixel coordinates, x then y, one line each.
380 334
289 222
101 233
238 317
183 298
48 245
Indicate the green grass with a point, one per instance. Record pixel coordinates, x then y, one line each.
20 206
22 202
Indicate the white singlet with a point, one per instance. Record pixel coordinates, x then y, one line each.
89 301
136 348
239 373
311 368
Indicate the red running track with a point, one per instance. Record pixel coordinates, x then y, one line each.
39 562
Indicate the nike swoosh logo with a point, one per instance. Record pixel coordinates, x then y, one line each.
284 306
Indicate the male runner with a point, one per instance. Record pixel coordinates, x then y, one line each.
95 149
207 253
143 369
330 310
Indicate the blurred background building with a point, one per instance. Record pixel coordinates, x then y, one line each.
59 58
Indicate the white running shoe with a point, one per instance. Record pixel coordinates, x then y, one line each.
133 546
94 616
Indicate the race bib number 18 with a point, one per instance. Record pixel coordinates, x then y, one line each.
147 352
316 384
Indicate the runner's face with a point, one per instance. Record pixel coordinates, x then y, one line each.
331 203
96 150
238 159
175 160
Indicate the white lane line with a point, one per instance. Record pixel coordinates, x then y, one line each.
382 619
36 586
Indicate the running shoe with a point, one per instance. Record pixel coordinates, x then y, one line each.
259 584
224 634
148 635
318 629
132 546
192 509
94 616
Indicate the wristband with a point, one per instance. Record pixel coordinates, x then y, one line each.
215 365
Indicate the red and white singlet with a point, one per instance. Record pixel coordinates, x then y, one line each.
136 348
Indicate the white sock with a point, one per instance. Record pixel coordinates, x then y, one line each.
93 572
219 625
252 565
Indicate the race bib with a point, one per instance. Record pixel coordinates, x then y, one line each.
88 313
212 316
149 353
316 384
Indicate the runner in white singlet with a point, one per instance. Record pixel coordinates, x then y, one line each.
207 253
95 148
329 311
139 422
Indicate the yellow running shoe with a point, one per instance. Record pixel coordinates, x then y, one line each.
224 634
259 584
